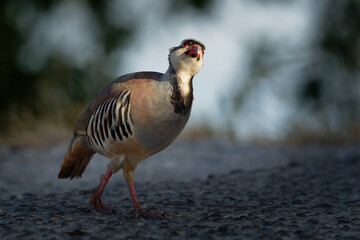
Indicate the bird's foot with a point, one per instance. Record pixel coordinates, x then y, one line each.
148 215
96 204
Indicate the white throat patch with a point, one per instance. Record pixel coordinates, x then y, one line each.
185 67
184 83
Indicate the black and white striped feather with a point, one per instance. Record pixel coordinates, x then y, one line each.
111 122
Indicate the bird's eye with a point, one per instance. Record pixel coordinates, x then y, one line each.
187 43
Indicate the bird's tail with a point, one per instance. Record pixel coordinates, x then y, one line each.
76 158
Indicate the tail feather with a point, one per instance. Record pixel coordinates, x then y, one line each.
76 158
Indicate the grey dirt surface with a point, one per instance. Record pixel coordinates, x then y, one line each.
206 190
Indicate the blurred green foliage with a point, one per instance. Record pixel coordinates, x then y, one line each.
43 80
331 90
326 98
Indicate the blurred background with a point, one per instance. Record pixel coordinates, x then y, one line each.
276 71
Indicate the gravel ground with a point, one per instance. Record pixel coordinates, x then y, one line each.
220 190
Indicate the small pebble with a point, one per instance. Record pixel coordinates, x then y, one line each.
3 212
223 228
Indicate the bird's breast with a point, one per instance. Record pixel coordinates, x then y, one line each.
156 125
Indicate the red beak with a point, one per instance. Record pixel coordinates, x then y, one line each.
195 51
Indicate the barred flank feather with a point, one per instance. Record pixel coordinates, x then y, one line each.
111 122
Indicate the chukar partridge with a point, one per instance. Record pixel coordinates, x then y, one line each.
133 117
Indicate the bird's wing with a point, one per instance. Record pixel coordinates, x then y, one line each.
111 90
79 152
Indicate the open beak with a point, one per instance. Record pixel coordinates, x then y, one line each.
195 51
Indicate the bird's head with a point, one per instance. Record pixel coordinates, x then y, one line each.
188 56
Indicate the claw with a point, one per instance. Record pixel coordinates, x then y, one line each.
138 211
97 204
95 201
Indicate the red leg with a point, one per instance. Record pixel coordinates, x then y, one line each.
95 201
138 210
